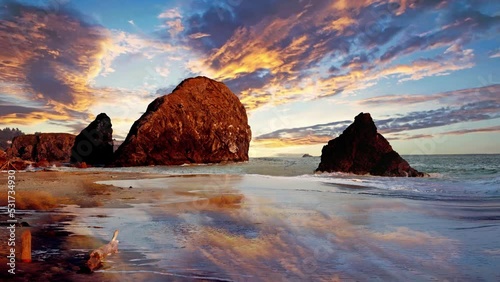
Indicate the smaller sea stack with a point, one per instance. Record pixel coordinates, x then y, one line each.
94 145
360 149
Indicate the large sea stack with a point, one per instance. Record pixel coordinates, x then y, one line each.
51 147
361 150
94 145
201 121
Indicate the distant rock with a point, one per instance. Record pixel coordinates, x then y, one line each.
51 147
361 150
42 163
201 121
81 165
307 156
13 163
94 145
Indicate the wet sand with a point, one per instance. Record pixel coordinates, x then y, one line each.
57 253
250 228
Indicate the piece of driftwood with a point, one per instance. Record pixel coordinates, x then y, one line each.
26 246
98 255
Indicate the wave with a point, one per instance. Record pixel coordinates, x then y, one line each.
435 187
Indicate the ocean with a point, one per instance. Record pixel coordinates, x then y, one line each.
273 219
451 176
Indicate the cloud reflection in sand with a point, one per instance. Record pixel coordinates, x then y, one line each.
309 245
266 228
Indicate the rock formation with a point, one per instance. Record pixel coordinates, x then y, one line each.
52 147
201 121
94 145
42 163
3 158
13 163
361 150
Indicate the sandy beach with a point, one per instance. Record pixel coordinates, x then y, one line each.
39 197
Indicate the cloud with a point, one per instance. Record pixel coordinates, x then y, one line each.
170 14
313 86
440 65
172 24
123 43
8 109
198 35
486 93
494 53
474 130
50 59
163 71
49 56
419 136
315 134
361 42
460 25
464 105
174 27
440 117
407 136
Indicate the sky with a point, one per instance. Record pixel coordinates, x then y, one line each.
426 70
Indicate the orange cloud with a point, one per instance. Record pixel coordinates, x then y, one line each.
49 61
31 118
323 48
49 58
292 141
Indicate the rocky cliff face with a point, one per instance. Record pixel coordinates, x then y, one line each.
201 121
94 145
53 147
361 150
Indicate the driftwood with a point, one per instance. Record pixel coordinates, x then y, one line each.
98 255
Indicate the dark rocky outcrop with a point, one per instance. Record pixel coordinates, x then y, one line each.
361 150
52 147
307 156
94 144
201 121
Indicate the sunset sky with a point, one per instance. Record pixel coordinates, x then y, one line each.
427 70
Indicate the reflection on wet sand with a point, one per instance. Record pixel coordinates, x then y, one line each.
253 228
314 246
221 226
